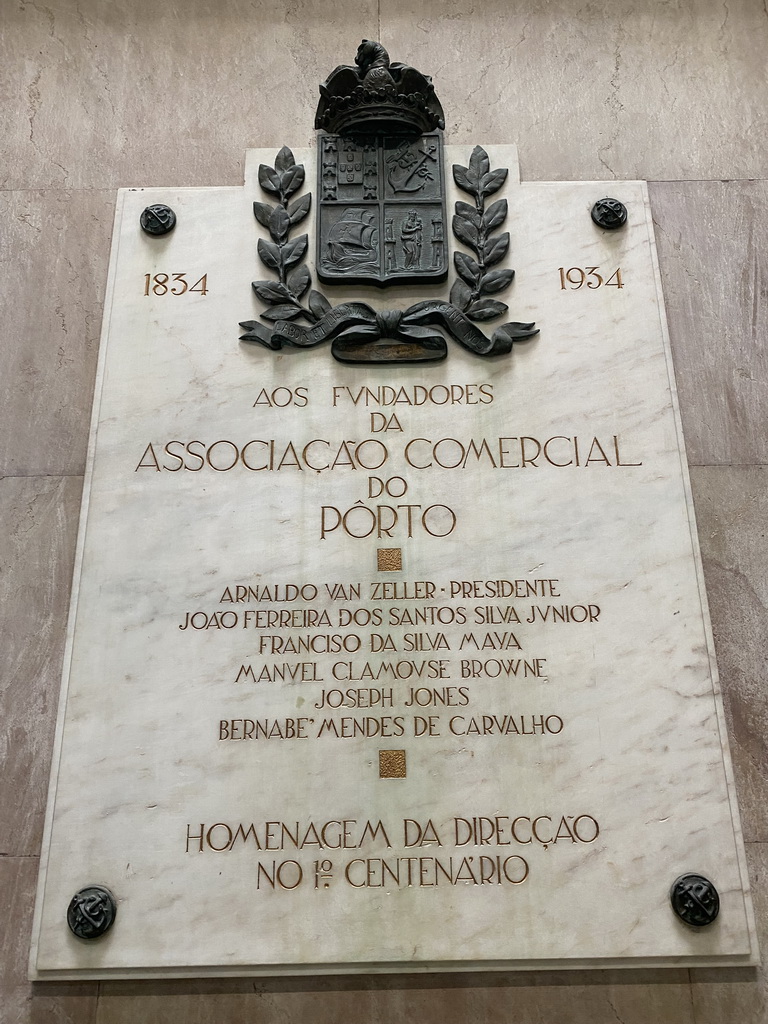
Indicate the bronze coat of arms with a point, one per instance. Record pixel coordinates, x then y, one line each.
381 219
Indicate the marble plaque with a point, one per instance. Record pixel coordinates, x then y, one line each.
388 668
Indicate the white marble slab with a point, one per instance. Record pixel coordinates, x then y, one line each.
634 738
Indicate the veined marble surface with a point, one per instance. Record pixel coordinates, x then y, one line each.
642 751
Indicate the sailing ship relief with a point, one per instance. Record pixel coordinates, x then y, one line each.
382 209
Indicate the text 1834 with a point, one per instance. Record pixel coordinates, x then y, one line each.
173 284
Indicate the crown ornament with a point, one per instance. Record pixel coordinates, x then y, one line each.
377 97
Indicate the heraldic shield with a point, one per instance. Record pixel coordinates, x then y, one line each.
381 213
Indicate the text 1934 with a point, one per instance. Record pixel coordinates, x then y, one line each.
576 277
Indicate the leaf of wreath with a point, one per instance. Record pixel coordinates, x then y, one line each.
467 268
466 232
270 291
460 296
495 214
493 181
282 312
485 309
463 180
495 249
269 254
318 304
292 180
468 213
269 180
298 281
279 223
496 281
479 164
293 251
284 160
262 212
298 211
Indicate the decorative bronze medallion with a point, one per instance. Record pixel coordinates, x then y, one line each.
609 214
157 220
695 900
91 912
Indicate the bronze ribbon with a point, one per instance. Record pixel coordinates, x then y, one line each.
356 321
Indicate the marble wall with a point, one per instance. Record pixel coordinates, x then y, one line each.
101 95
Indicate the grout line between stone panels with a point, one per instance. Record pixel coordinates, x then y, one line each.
690 997
44 476
701 181
114 188
130 186
70 188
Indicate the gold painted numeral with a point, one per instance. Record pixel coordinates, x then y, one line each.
576 277
173 284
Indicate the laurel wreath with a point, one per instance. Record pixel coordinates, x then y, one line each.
474 226
285 255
